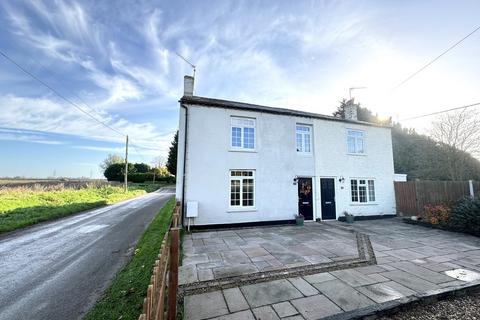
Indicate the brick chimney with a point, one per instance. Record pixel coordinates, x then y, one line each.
351 110
188 82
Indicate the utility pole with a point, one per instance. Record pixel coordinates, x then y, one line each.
126 164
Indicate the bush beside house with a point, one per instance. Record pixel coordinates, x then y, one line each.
464 216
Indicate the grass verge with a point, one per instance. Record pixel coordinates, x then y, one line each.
21 207
124 299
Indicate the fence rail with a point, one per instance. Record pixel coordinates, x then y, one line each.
413 196
159 304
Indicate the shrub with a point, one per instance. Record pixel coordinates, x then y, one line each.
438 214
140 177
465 216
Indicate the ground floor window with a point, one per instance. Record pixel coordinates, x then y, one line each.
362 190
242 188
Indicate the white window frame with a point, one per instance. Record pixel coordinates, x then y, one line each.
303 134
241 180
356 141
242 123
368 190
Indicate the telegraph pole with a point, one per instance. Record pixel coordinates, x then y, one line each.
126 164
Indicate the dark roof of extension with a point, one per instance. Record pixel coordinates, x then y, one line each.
227 104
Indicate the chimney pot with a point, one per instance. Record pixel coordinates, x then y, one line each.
351 110
188 83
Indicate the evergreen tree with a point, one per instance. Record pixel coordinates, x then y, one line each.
172 155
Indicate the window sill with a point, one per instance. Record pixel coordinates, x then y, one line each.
244 209
355 204
243 150
304 154
356 154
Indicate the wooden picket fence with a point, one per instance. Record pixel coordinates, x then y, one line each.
161 303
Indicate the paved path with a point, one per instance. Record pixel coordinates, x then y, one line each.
58 270
411 261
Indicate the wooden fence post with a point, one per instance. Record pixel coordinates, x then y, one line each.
173 274
470 186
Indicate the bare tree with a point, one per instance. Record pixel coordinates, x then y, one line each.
111 159
159 162
459 134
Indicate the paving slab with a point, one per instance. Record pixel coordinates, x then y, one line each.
343 295
370 269
205 305
354 278
316 307
319 277
405 254
410 281
242 315
421 272
265 313
205 274
284 309
236 270
235 300
303 286
386 291
187 274
265 293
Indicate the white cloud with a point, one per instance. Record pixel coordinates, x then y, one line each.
27 136
44 114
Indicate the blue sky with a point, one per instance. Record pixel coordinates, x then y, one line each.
118 57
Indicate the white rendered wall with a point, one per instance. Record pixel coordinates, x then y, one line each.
276 163
333 160
180 155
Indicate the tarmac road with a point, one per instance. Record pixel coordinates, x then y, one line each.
58 270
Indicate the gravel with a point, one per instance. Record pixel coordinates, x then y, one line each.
466 307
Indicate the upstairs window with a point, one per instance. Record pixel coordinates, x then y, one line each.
362 190
355 142
304 138
242 188
243 133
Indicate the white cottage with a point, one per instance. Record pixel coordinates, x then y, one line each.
246 163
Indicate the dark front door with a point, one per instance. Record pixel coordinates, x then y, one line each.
305 198
327 192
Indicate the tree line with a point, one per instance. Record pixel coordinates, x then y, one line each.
113 168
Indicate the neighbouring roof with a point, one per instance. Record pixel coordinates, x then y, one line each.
227 104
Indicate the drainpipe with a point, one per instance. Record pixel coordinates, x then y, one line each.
184 161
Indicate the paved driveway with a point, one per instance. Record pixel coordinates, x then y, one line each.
58 270
219 254
409 261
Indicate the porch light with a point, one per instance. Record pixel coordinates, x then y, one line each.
341 180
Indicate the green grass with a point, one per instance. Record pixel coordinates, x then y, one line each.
21 207
124 299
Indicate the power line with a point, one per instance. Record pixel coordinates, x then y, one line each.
68 100
443 111
438 57
59 94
